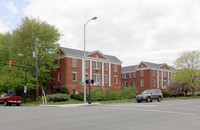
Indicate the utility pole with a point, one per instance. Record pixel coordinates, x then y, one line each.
36 66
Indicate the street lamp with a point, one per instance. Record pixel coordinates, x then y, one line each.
25 87
94 18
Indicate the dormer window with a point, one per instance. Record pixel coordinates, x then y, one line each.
142 66
97 56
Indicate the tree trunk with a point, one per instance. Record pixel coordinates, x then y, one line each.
193 91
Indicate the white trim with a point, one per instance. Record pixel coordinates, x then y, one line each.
109 74
102 73
106 78
83 70
162 79
116 79
157 78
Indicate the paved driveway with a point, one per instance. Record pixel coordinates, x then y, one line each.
166 115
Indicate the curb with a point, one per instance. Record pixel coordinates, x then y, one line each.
71 105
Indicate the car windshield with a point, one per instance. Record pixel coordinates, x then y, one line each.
11 95
146 92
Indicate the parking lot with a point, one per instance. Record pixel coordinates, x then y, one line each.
165 115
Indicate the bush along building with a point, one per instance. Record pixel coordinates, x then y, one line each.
147 75
105 70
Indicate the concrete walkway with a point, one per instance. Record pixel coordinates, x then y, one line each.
71 105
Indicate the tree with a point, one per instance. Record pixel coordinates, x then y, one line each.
187 69
29 32
65 90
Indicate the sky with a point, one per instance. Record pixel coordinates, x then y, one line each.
156 31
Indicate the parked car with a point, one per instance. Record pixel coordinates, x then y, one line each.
149 95
9 99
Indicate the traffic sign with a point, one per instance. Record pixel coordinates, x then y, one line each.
81 83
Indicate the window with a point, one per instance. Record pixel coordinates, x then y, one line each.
142 66
124 84
130 75
106 66
165 83
96 65
87 64
97 56
153 83
134 83
74 76
134 74
124 75
50 79
74 62
159 83
142 82
59 77
115 68
74 91
153 72
115 79
165 73
96 78
106 78
142 73
159 73
59 63
130 83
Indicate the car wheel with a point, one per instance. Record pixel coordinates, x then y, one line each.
159 99
138 101
5 103
148 99
9 104
18 104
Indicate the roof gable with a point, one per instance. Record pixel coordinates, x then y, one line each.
97 54
165 66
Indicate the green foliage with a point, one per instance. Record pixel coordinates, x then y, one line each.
166 94
65 90
21 41
96 95
128 92
58 97
80 96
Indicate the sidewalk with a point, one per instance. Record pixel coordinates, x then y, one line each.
71 105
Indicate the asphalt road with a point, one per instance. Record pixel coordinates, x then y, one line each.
165 115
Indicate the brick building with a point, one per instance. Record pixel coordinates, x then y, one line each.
147 75
104 69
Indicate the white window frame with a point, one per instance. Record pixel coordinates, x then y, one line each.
130 83
96 65
106 66
134 74
87 63
75 91
142 73
86 76
59 63
96 78
153 82
74 62
134 83
142 82
75 76
130 75
124 75
115 68
153 72
59 77
164 83
164 73
124 84
115 79
106 78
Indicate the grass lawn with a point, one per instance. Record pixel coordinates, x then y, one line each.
73 101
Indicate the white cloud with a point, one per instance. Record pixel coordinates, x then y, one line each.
3 27
146 30
11 6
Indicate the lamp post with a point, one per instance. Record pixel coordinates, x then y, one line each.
94 18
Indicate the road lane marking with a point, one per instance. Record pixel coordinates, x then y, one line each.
170 112
175 104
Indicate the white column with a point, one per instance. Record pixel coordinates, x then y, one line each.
91 69
109 74
102 73
157 78
161 79
83 70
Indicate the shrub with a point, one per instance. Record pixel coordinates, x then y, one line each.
128 92
73 96
80 96
198 94
58 97
29 100
65 90
166 94
97 95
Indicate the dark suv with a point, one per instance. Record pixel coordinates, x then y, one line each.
149 95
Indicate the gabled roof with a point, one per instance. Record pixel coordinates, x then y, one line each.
148 64
79 53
